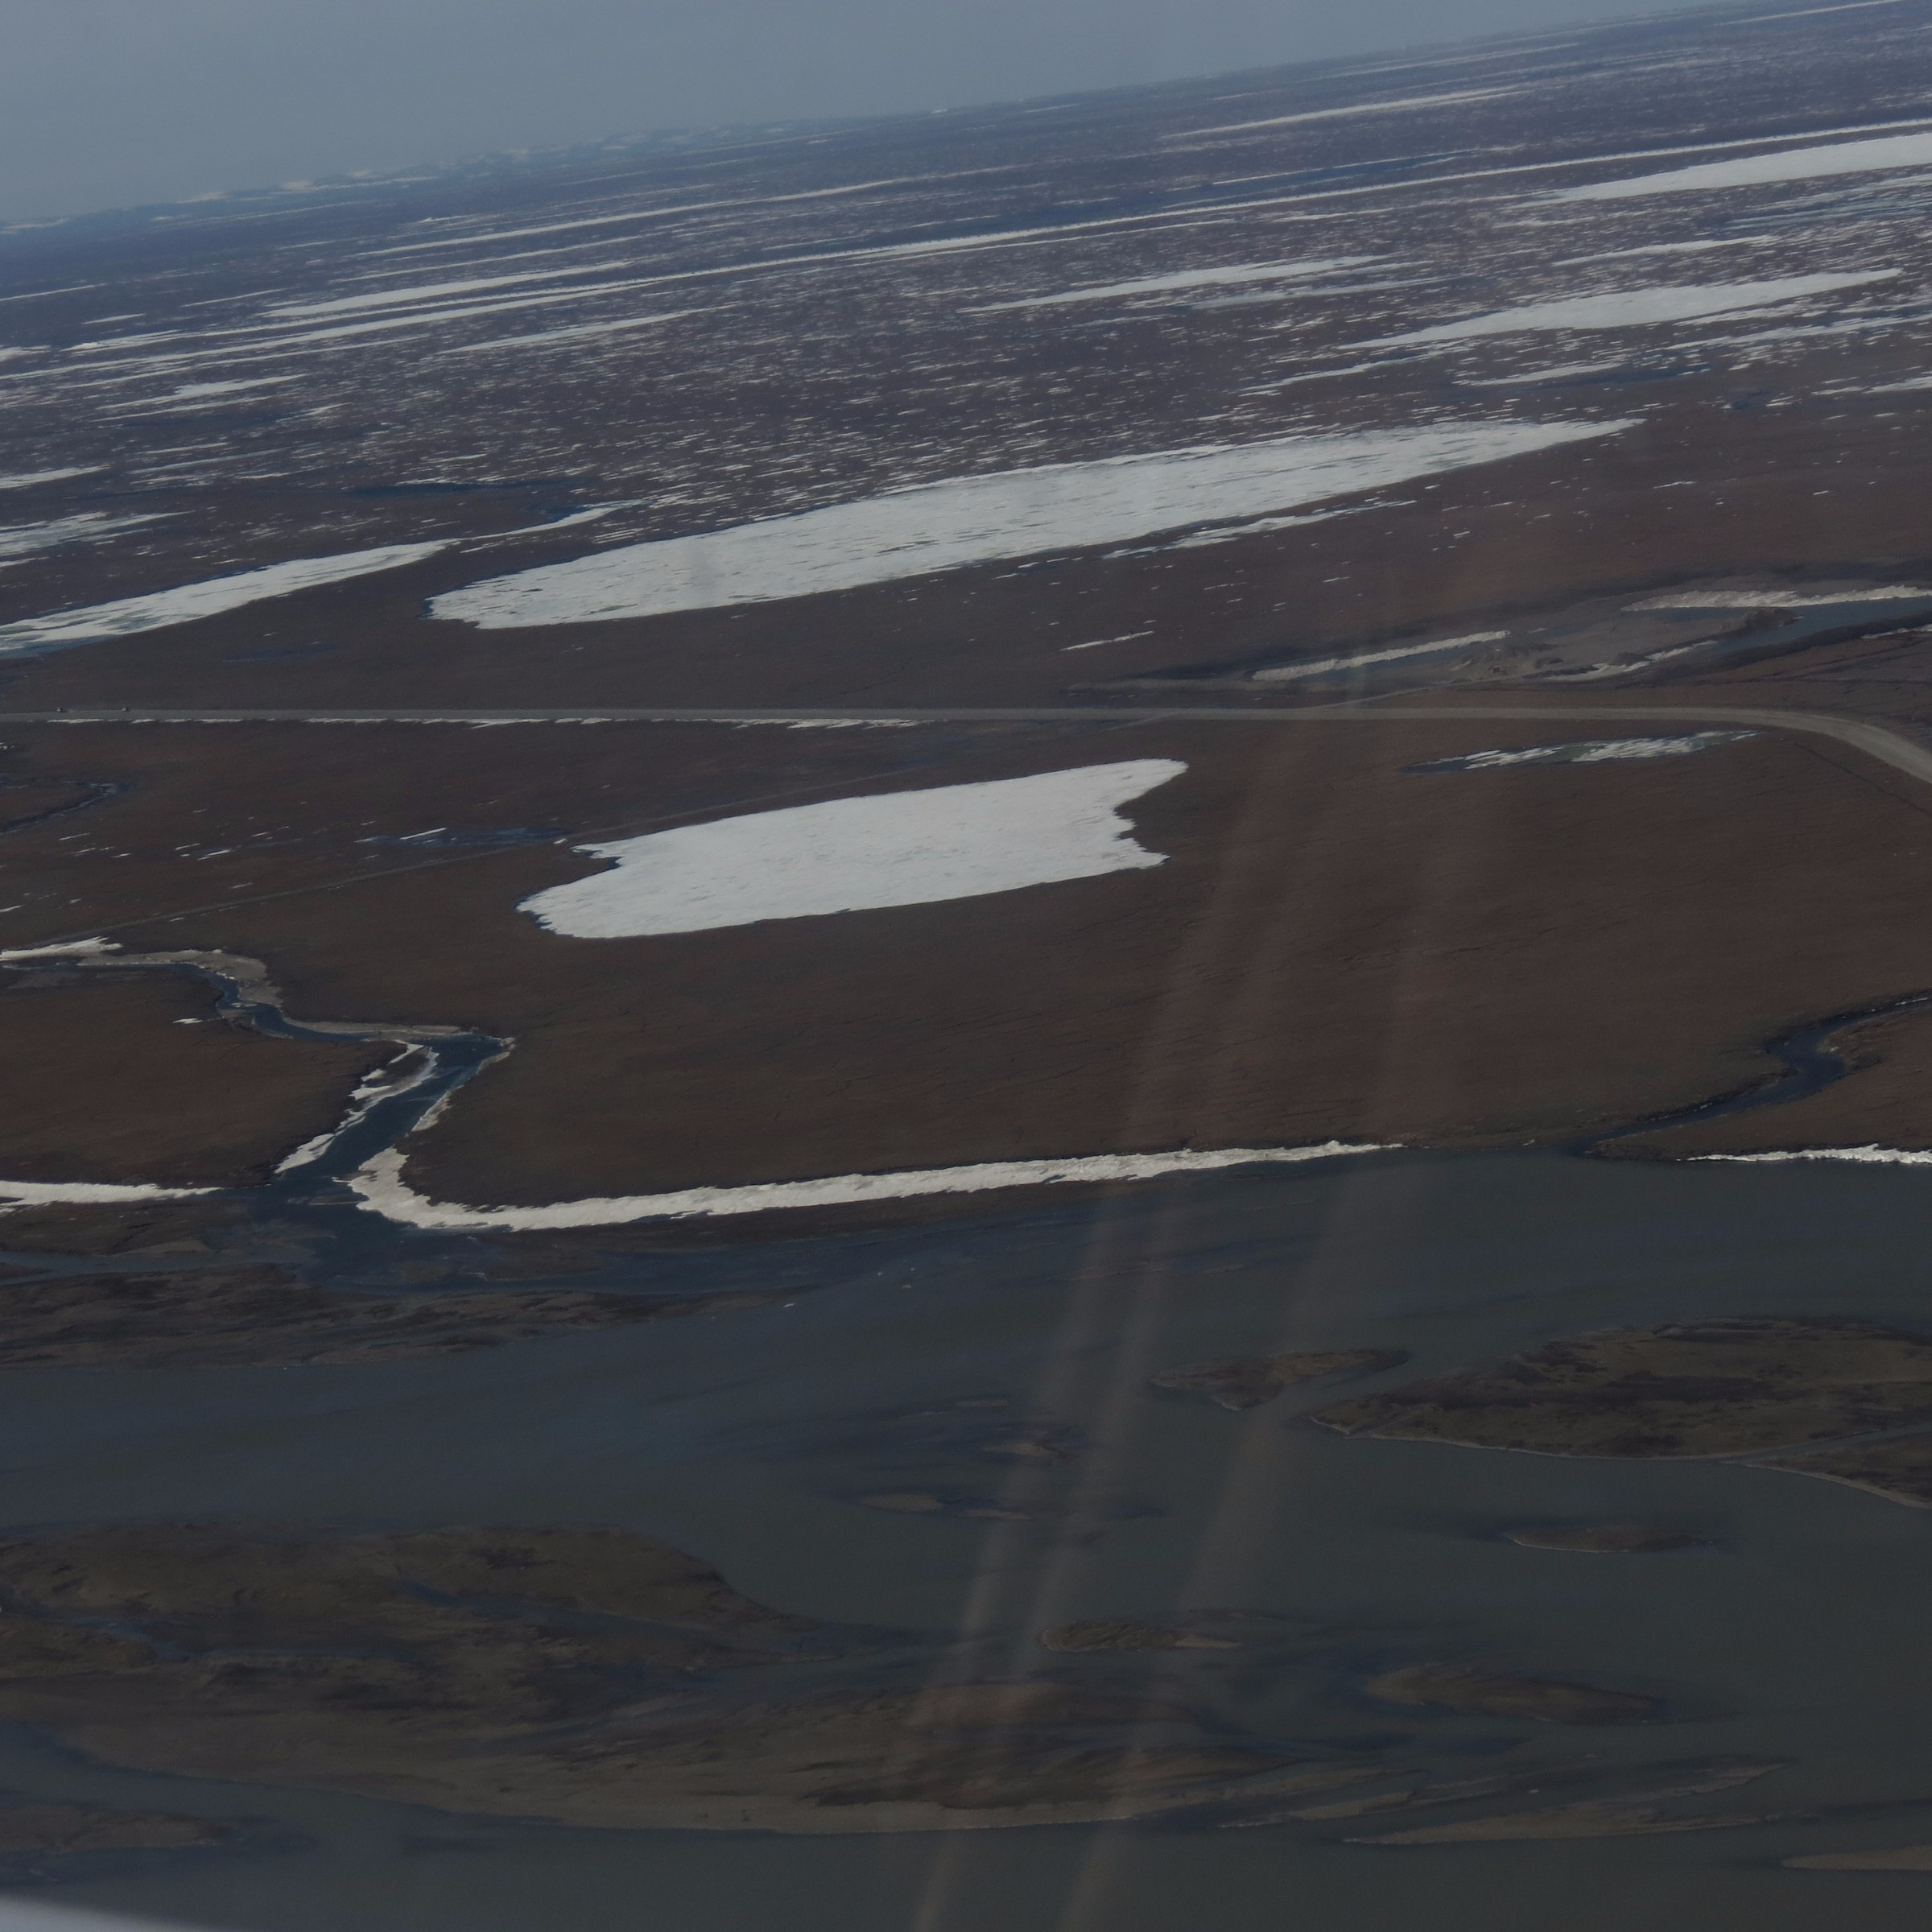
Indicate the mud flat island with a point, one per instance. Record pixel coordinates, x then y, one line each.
1603 1539
1247 1382
266 1317
1477 1691
590 1678
1710 1389
1900 1469
56 1844
1102 1634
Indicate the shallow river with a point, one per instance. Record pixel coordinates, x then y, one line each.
1794 1631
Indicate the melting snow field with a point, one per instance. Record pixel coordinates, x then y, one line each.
854 855
187 601
1324 667
28 479
1021 512
24 539
88 1194
1636 308
1755 171
1749 599
382 1187
1587 752
1862 1157
1413 104
1192 277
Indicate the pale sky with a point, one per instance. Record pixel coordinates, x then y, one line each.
111 103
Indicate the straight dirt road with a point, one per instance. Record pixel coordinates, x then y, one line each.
1879 742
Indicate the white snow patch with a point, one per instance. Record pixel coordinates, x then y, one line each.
188 601
1126 637
595 513
1783 600
1669 248
380 1185
859 854
1591 674
67 950
83 1193
1590 751
1413 104
1862 1157
26 479
186 398
945 526
188 391
1806 13
579 331
1322 375
1757 171
90 527
1636 308
379 1086
1540 375
1323 666
36 295
478 237
1856 325
410 295
1188 277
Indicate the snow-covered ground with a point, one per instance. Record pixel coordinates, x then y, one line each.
858 854
1182 279
1635 307
124 616
381 1186
984 519
1759 170
836 358
1593 751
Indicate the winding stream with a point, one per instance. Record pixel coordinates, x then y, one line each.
353 1173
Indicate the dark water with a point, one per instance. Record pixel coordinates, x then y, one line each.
1795 1631
1810 1067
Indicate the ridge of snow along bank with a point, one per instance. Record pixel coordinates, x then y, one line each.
88 1194
968 520
380 1184
1863 1156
